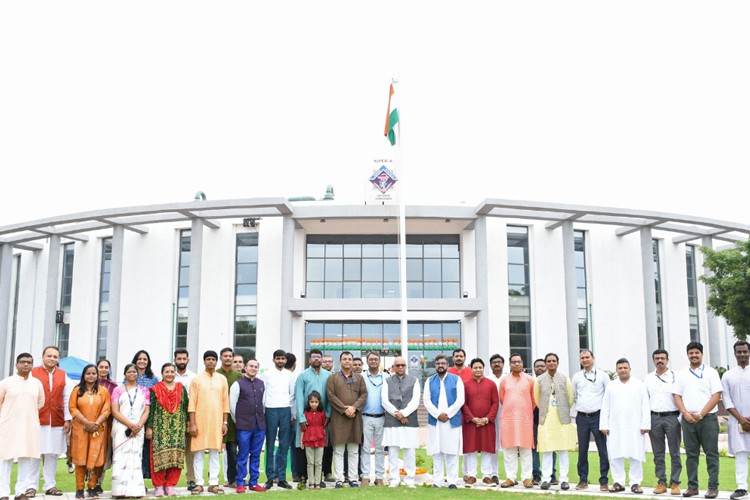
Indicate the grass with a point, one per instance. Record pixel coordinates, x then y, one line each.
66 481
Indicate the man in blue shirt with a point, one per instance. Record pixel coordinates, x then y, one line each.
373 419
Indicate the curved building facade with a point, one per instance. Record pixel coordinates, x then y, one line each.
260 274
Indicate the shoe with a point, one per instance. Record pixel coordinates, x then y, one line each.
339 484
505 484
353 484
738 494
241 488
284 484
79 494
91 492
378 482
256 487
616 488
452 487
604 487
527 483
191 485
583 485
71 468
660 488
98 489
690 492
674 489
488 480
711 493
636 488
365 483
268 485
544 485
329 478
158 491
322 485
564 486
170 491
495 480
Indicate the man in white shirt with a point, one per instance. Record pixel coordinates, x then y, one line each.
589 385
278 402
736 384
697 391
185 376
665 423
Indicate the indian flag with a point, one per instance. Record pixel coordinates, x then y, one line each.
391 118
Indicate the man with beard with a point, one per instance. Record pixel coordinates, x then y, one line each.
314 378
697 391
230 438
497 364
327 365
444 398
185 376
478 430
278 399
459 368
736 383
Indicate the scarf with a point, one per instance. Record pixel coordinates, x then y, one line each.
169 400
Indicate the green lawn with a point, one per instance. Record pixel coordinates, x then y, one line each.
66 481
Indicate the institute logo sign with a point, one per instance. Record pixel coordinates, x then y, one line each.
383 179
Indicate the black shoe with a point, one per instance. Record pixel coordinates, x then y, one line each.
79 494
353 484
191 485
544 485
284 484
738 494
339 484
564 486
98 490
92 493
452 487
268 485
322 484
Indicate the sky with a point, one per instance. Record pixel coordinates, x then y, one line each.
638 104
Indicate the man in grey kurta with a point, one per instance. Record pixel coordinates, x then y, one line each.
347 394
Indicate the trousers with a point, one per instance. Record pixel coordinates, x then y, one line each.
703 434
451 468
250 444
352 451
586 425
547 463
511 462
314 465
23 479
666 427
618 471
213 467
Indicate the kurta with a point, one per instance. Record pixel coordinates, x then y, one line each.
209 400
343 392
517 399
625 411
309 381
553 435
87 449
482 401
402 436
232 376
168 428
53 437
441 437
20 401
736 394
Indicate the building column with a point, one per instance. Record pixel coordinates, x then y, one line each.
287 284
115 294
649 292
482 288
712 322
194 291
6 271
571 295
51 301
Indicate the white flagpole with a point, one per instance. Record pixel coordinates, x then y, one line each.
402 235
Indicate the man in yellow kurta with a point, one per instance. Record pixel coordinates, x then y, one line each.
553 394
21 396
208 408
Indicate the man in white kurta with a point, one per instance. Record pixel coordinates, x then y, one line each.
625 419
400 397
21 396
497 364
443 399
736 394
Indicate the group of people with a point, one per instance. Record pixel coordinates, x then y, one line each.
149 427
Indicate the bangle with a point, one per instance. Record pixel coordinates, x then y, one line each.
225 423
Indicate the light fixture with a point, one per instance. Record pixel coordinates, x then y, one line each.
447 221
302 295
466 295
385 220
322 220
250 221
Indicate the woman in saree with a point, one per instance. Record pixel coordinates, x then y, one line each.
167 428
89 409
130 408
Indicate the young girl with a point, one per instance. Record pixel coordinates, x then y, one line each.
314 439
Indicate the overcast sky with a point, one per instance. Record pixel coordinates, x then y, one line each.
638 104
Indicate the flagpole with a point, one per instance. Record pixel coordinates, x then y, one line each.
402 240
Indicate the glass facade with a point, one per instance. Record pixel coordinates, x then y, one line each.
519 293
63 329
657 286
183 289
106 268
584 337
692 292
246 294
10 357
427 339
368 267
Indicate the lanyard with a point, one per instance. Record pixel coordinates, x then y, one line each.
670 371
592 381
695 374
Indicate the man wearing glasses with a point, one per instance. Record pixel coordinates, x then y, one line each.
665 423
588 386
400 395
312 379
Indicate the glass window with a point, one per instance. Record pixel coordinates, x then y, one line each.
692 289
66 292
246 293
579 243
519 326
105 266
657 298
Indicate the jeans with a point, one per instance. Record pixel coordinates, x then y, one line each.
250 444
586 425
277 420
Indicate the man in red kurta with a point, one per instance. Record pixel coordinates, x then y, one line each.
478 427
459 367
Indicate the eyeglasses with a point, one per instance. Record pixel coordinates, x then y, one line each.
25 362
438 363
399 365
315 356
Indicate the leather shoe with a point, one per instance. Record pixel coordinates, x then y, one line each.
690 492
268 485
712 493
284 484
564 486
674 489
507 483
487 480
604 487
544 485
660 488
583 485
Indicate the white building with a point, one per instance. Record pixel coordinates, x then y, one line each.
261 274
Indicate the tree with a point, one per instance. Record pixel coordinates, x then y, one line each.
729 285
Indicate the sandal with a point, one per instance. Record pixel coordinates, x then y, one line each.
197 490
636 488
215 490
30 493
616 488
53 492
